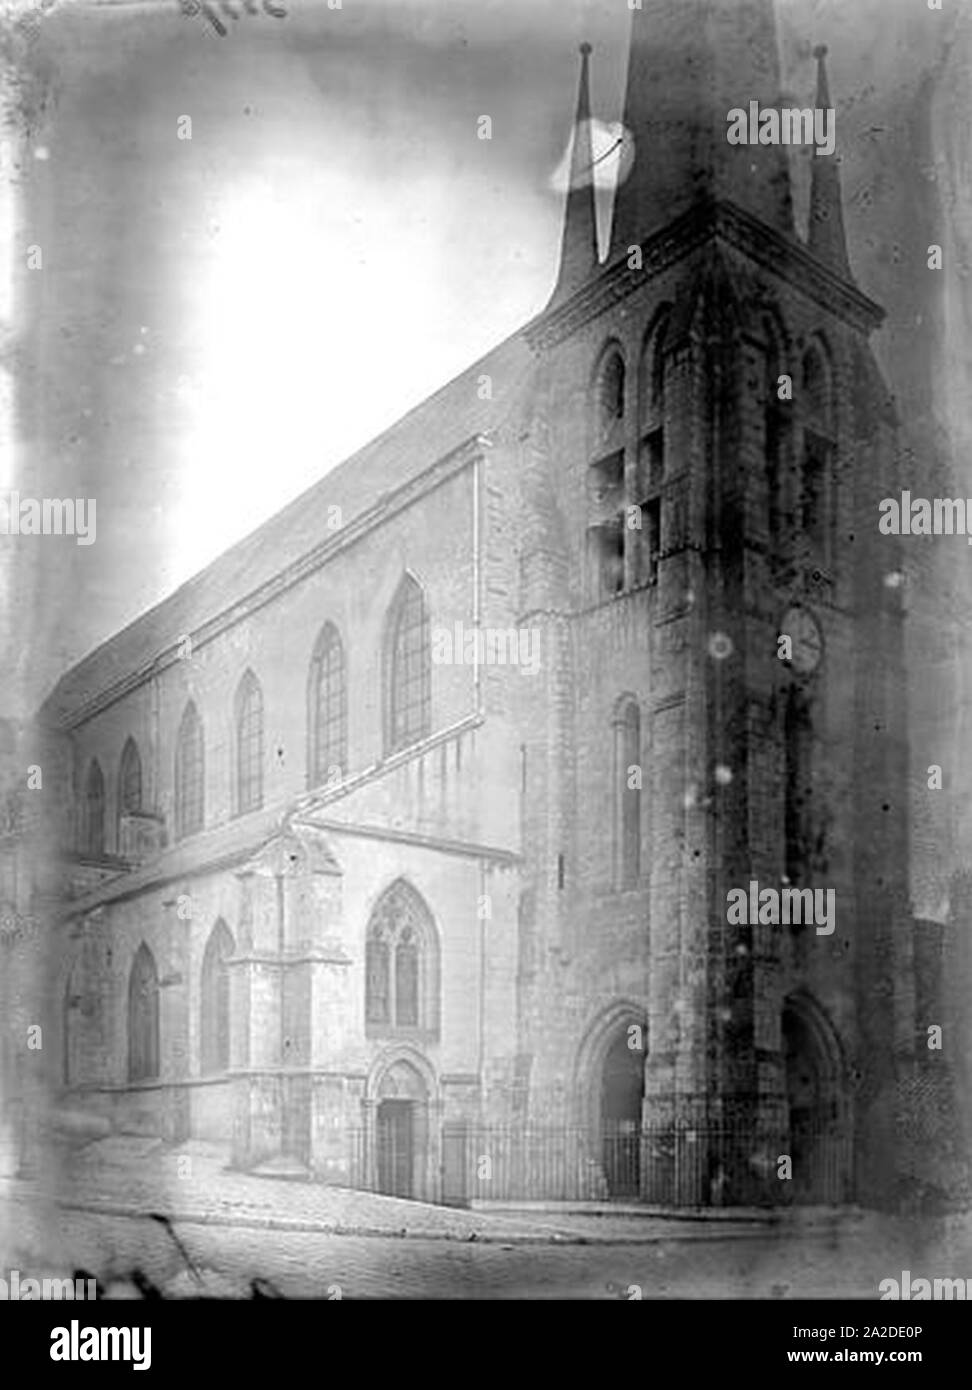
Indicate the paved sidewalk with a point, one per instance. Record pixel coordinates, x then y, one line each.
191 1182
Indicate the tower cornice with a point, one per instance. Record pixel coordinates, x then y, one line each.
708 220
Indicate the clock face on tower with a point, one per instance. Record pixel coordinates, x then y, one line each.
803 630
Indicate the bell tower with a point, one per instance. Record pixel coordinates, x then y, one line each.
720 484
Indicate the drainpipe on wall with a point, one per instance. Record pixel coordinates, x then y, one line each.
483 919
153 800
478 701
281 900
477 579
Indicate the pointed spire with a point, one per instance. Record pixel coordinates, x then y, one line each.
578 253
825 234
690 63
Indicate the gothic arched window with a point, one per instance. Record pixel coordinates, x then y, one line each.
798 814
816 388
609 402
189 769
402 963
214 1002
652 398
409 669
143 1017
628 778
327 709
649 474
249 744
129 782
776 420
93 842
605 476
819 449
130 779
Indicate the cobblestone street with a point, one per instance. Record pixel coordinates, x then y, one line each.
299 1264
304 1240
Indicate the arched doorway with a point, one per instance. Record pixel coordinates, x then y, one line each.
818 1138
401 1131
622 1090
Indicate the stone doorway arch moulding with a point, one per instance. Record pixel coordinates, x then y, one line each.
402 1072
584 1106
831 1126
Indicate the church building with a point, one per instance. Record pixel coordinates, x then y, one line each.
347 901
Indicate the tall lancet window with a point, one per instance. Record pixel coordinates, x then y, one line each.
649 473
605 480
214 1002
408 669
327 709
129 783
799 821
249 744
819 450
610 401
776 420
143 1017
130 779
189 771
93 829
628 782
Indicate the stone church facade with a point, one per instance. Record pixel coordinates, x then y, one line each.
458 930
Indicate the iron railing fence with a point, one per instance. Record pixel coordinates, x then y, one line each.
683 1165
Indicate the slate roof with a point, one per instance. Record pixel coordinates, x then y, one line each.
428 432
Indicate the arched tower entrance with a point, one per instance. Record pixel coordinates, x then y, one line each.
622 1092
818 1131
609 1089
